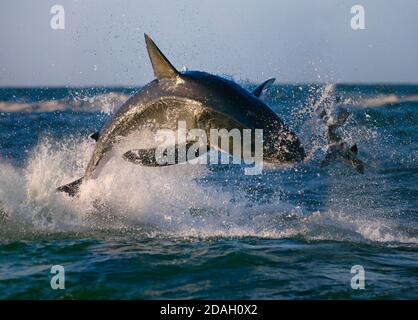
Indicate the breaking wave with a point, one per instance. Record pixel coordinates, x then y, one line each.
179 201
104 102
386 100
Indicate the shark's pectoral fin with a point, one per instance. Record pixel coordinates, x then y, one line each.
71 188
154 158
95 136
143 157
163 69
260 89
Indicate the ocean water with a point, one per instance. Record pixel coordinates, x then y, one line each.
210 232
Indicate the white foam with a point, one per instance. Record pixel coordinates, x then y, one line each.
105 102
177 201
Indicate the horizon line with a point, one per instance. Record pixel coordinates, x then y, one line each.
95 86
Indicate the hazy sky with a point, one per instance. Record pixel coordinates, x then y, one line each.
292 40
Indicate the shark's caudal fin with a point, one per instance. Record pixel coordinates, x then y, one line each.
95 136
260 89
72 188
163 69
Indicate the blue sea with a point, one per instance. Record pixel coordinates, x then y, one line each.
210 232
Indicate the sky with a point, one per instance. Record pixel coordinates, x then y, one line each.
295 41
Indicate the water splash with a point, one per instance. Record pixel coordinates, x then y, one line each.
178 201
196 201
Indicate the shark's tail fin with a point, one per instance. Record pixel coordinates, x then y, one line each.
71 188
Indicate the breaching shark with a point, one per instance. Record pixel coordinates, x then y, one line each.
203 101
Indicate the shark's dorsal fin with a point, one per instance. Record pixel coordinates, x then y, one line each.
163 69
259 90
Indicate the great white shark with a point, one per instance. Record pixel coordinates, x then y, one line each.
202 101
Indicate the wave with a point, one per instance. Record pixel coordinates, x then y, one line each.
90 100
104 102
385 100
179 201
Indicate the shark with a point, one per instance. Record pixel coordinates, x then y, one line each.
201 100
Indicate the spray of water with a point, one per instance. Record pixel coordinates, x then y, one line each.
184 200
